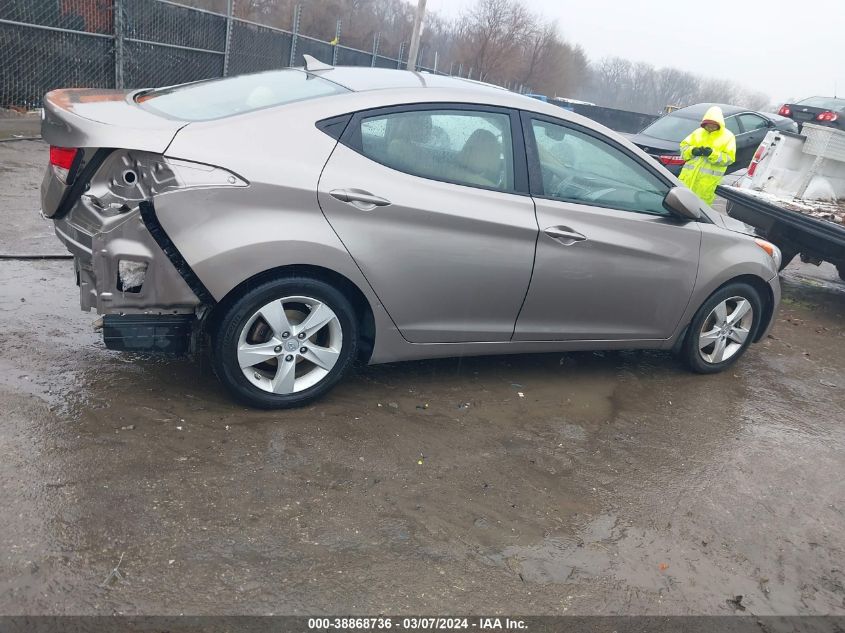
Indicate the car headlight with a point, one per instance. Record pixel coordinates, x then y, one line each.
772 250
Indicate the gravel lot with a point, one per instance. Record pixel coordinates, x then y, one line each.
619 483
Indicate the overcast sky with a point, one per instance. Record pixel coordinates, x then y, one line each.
783 48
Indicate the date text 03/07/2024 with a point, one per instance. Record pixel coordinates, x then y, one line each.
416 624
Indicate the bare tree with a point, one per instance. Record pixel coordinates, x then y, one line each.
618 83
503 42
493 33
537 55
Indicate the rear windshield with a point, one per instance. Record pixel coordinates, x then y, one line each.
828 103
671 128
219 98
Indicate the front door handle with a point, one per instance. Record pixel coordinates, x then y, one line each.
359 198
564 235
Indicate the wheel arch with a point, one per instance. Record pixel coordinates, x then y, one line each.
766 296
362 307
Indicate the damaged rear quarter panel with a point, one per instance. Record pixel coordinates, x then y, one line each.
106 233
163 289
230 235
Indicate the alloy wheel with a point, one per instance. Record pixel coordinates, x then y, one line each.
725 330
290 344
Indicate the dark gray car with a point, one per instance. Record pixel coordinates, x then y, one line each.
662 138
306 218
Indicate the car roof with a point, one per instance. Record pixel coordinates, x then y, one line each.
359 78
385 87
365 80
699 109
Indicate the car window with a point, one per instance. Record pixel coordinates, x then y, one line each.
752 122
672 127
217 98
460 146
577 167
825 103
732 124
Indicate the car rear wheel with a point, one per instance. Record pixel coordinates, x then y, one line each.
723 328
285 343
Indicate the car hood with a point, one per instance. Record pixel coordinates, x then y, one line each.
732 224
653 145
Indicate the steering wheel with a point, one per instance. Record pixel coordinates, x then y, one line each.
564 186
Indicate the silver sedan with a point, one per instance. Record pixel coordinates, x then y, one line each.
303 219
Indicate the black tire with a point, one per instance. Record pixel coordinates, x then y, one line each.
690 352
225 340
840 268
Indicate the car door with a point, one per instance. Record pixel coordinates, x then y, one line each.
732 124
753 130
432 202
612 263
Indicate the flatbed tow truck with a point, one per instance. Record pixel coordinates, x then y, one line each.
794 194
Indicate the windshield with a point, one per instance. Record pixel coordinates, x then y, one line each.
671 128
219 98
827 103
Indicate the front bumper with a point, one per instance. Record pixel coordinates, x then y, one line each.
774 286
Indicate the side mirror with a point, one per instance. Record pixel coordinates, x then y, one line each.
683 203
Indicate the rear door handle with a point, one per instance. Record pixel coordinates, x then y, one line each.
564 235
359 198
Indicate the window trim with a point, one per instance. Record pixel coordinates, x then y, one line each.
351 138
741 125
535 176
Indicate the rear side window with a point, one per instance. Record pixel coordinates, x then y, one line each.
459 146
218 98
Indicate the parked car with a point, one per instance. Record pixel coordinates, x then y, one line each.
662 138
306 218
829 111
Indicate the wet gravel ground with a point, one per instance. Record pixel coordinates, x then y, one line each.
617 483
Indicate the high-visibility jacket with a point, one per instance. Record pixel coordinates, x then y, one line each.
703 173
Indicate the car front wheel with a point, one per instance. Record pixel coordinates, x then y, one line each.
723 328
285 343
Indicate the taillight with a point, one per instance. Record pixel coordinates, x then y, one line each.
671 159
827 116
61 159
758 156
785 111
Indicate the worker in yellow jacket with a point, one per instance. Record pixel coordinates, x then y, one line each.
708 152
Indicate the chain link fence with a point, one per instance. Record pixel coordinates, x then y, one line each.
48 44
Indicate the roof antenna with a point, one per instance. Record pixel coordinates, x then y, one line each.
312 64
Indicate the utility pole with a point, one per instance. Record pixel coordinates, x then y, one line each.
415 36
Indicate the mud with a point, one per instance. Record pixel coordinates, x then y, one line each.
14 125
617 482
